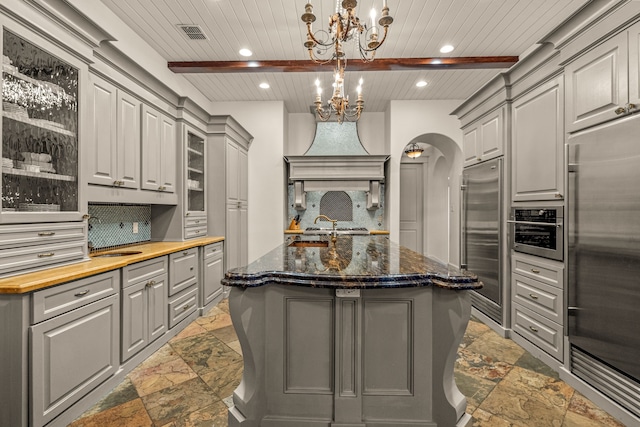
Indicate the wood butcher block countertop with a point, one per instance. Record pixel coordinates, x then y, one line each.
56 275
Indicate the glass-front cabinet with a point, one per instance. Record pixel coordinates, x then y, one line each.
195 174
195 224
39 133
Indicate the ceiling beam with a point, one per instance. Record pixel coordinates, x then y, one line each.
380 64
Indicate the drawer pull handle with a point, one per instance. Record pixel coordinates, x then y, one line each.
46 233
197 221
533 329
185 253
620 110
536 271
82 293
197 231
186 307
47 255
533 296
151 283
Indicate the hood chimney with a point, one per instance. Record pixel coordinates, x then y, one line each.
336 161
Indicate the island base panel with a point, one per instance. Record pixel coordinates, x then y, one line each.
384 359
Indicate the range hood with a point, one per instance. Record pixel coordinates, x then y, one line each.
336 161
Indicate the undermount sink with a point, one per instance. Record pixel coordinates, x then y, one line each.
309 244
119 253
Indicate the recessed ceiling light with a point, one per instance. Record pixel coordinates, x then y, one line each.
421 83
446 48
264 85
245 52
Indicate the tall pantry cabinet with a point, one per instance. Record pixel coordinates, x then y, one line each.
227 160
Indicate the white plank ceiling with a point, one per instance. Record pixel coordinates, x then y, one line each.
273 30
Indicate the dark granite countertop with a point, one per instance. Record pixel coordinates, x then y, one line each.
352 262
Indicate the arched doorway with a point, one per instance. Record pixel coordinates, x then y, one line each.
435 176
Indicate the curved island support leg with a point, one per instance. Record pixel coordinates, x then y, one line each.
248 316
451 313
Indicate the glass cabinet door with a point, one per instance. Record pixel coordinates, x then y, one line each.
39 129
195 173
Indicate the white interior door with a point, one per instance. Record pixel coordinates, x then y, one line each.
412 206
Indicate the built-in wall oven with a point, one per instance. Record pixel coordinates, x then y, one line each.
538 231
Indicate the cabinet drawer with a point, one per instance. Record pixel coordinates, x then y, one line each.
195 222
214 249
538 269
144 270
15 236
542 332
192 232
182 305
539 297
35 257
183 270
51 302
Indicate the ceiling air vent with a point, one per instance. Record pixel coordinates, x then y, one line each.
192 32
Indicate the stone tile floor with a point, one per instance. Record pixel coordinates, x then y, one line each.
189 381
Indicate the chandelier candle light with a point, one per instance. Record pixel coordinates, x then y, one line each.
344 26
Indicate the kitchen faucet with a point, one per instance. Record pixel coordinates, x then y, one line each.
333 230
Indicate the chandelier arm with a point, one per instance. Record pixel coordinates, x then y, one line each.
373 49
318 60
314 39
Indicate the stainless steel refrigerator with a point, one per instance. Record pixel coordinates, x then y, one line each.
603 222
481 233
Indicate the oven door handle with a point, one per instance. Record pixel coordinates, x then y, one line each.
543 224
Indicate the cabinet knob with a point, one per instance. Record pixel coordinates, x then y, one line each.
150 283
558 196
185 253
631 107
190 268
197 221
620 110
188 213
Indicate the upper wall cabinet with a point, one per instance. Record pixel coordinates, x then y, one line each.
158 150
114 146
537 143
40 105
604 83
484 138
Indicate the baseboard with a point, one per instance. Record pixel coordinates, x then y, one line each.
499 329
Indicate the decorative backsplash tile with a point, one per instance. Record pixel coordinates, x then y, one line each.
113 225
361 217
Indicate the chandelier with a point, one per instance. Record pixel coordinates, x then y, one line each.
413 151
327 46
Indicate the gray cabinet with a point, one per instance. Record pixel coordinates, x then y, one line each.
227 214
144 304
184 270
158 150
195 200
75 347
212 273
42 117
537 154
31 247
484 139
603 83
114 147
537 312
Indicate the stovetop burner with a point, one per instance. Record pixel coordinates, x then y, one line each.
339 230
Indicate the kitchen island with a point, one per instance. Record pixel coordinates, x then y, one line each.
353 331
